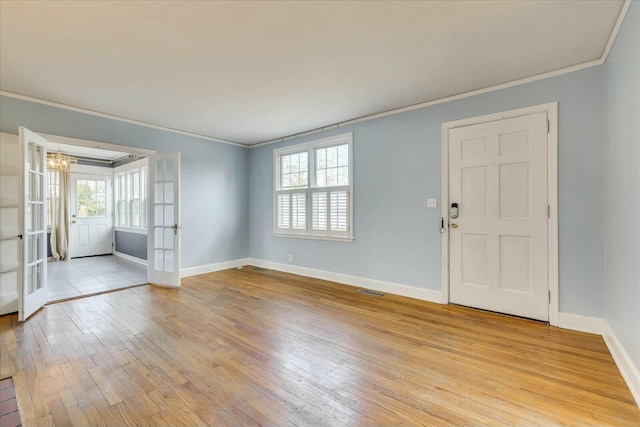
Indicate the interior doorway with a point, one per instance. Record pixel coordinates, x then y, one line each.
98 213
91 208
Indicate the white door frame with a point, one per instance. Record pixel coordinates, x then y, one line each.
552 193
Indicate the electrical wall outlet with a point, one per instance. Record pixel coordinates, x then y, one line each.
432 203
290 257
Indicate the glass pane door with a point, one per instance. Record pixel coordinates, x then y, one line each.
164 258
34 231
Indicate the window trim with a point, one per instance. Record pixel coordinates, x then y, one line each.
310 147
125 172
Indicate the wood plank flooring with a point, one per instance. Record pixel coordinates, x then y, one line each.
248 348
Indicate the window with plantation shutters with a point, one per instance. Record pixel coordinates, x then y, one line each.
313 189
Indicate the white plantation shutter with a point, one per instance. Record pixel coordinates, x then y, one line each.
291 211
339 213
313 188
330 212
299 212
319 213
283 204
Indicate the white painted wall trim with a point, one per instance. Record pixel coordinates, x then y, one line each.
210 268
130 258
345 279
9 303
91 170
576 322
480 91
629 371
95 144
130 230
542 76
616 29
551 109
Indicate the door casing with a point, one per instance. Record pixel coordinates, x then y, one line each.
551 109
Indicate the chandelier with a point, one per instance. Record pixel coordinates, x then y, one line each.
60 161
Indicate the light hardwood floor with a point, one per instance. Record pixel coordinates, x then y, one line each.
248 347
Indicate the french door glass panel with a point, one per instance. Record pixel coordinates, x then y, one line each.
34 232
164 219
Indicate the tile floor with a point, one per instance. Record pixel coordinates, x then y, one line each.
9 413
91 275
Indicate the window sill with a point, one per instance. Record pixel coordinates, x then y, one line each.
132 230
304 236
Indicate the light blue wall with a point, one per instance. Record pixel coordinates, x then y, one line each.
397 167
622 185
214 176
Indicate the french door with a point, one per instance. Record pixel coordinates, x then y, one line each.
163 232
34 227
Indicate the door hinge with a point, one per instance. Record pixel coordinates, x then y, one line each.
548 126
549 296
548 211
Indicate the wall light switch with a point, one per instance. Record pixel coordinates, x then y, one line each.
432 203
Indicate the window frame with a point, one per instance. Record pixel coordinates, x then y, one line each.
310 147
125 172
120 197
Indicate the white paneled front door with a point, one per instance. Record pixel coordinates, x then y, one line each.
91 228
163 231
498 242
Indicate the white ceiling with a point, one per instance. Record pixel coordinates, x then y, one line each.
254 71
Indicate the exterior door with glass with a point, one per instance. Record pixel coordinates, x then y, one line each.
91 228
163 232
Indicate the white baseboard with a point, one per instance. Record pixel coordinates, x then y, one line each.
625 365
392 288
9 303
209 268
576 322
130 258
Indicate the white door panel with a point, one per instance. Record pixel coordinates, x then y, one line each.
498 244
34 228
91 228
164 220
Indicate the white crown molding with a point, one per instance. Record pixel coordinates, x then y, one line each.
481 91
616 29
623 361
542 76
112 117
554 73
